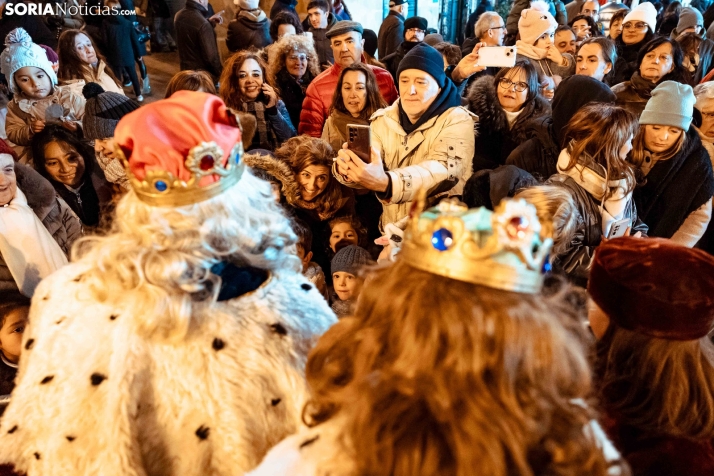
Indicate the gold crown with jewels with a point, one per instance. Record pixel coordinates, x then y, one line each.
161 188
502 249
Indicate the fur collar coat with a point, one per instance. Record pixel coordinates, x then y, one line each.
495 139
96 396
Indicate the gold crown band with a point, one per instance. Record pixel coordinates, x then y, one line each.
162 189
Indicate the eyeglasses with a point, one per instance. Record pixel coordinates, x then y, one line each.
506 83
297 57
415 30
635 26
497 28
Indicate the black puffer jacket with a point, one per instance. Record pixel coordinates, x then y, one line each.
391 61
495 140
576 262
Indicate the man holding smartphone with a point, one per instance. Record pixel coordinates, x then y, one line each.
423 140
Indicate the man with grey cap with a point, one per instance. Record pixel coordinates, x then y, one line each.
347 45
391 32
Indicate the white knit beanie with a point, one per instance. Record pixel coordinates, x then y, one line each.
247 4
643 12
535 21
19 52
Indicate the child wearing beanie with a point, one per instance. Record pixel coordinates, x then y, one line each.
676 199
536 29
345 279
102 113
38 100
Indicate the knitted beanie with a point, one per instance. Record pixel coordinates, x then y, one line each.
643 12
103 111
671 104
534 22
247 4
689 18
20 52
349 260
424 58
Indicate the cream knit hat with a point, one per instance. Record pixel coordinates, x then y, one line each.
535 21
643 12
19 52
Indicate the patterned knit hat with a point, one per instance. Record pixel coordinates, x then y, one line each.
103 111
349 260
20 52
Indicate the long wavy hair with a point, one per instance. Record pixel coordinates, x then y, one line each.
594 137
437 376
374 100
639 148
660 386
71 66
278 54
301 152
155 261
68 141
229 90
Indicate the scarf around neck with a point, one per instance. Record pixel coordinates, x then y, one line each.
340 120
530 51
642 86
28 249
593 181
256 15
448 97
264 133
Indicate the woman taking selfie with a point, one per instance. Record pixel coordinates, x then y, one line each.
356 98
243 88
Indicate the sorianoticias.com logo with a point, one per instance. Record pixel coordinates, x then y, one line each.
62 9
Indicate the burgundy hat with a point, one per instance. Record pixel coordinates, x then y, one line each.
654 287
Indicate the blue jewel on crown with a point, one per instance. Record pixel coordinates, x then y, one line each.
161 186
442 239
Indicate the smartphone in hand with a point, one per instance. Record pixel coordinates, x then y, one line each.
501 56
619 228
359 141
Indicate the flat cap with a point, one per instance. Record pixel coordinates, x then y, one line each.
344 26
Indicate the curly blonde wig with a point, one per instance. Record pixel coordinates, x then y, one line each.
437 376
279 51
156 261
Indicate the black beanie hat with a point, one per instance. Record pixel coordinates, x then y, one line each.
572 94
416 22
425 58
103 111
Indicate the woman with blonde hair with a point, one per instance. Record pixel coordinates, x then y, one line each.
593 167
676 198
292 65
455 363
652 314
187 323
244 88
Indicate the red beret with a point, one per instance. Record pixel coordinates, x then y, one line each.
654 287
6 149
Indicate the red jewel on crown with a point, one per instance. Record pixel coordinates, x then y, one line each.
207 163
516 227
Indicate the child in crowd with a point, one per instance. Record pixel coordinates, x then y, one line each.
14 308
347 229
38 99
310 269
347 284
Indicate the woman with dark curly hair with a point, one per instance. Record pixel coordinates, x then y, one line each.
244 88
292 65
446 370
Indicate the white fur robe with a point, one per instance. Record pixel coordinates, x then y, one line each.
93 397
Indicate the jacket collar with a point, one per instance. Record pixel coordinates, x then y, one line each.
395 14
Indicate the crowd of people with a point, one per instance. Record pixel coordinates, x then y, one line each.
341 251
